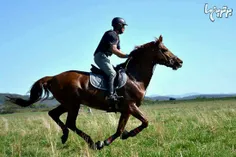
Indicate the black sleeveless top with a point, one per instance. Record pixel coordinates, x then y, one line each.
109 38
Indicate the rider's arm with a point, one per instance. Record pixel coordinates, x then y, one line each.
113 40
117 52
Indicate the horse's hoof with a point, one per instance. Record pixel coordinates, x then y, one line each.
64 139
99 145
92 146
124 135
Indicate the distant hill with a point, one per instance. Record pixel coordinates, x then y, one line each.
189 96
54 102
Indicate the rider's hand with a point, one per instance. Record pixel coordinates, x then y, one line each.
127 56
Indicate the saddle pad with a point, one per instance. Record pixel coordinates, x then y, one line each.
99 82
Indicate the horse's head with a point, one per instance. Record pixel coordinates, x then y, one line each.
163 56
153 52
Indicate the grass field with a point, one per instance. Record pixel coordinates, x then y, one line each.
187 128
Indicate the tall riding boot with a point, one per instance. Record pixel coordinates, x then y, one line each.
112 97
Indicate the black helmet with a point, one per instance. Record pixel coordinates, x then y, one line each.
118 21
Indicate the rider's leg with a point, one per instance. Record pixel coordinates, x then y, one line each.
104 64
111 84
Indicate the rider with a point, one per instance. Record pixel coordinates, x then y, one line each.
109 44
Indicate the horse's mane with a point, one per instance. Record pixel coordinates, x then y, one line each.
138 51
141 47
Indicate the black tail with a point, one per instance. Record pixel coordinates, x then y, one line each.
38 91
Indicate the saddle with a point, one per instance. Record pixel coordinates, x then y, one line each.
99 79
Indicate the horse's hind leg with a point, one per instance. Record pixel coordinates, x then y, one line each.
55 114
71 123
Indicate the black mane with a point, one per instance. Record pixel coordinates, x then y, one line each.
137 51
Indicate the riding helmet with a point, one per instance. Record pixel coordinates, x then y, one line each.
118 21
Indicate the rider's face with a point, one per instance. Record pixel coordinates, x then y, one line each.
122 29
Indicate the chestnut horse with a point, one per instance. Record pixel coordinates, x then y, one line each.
72 88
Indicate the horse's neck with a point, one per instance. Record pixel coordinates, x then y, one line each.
141 71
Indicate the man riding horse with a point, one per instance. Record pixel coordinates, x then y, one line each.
110 44
73 88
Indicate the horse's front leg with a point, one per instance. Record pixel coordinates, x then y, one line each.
122 122
134 110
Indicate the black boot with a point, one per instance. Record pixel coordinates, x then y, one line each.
112 97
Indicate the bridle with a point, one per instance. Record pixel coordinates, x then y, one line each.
171 58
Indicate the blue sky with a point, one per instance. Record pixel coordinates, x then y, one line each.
41 38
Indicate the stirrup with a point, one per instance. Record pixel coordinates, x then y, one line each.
112 98
118 97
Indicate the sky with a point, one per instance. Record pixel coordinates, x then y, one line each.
44 38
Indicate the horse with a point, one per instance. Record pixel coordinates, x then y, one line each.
73 88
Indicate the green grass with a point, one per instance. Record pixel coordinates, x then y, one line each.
185 128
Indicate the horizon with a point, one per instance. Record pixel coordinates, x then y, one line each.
46 38
156 95
192 94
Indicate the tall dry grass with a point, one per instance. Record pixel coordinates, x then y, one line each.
175 129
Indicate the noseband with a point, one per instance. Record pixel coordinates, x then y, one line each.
171 59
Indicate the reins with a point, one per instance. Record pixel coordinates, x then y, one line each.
126 65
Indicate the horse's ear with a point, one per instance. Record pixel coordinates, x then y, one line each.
160 38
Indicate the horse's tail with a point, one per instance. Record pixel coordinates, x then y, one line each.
39 90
